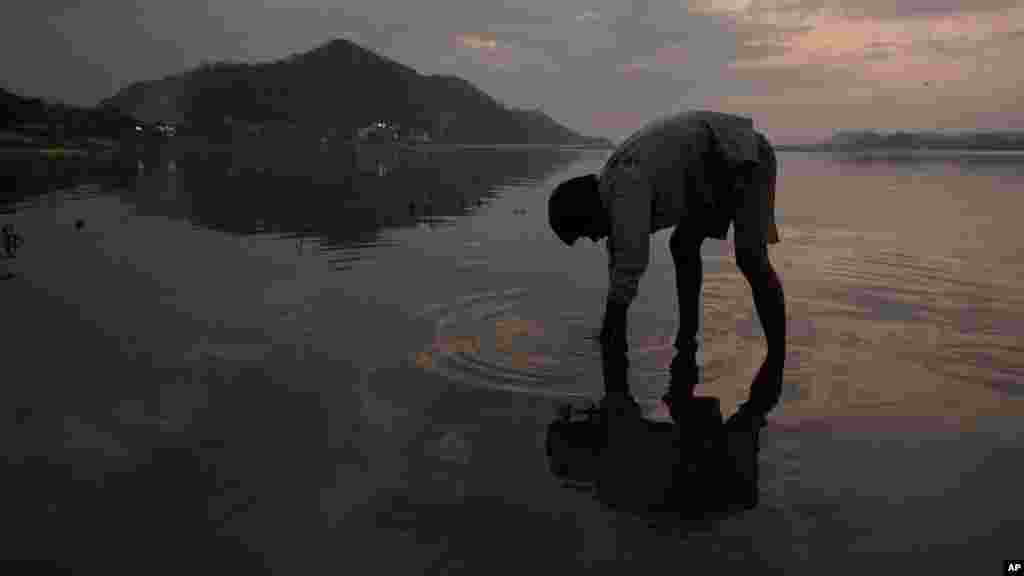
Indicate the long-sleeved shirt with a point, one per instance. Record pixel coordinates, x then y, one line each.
646 183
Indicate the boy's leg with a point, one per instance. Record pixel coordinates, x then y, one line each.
684 244
769 301
754 229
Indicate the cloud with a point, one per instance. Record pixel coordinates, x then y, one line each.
477 42
795 63
758 49
853 9
954 70
904 9
814 30
664 59
771 80
879 54
919 35
506 55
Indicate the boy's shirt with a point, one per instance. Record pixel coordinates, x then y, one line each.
646 182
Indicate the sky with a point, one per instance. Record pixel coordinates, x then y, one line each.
801 69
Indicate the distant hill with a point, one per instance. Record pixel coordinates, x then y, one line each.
38 122
854 140
339 87
867 140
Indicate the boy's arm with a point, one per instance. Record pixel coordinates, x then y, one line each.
628 255
629 240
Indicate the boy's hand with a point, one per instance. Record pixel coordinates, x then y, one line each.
767 383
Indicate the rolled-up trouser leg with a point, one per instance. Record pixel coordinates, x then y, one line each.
685 248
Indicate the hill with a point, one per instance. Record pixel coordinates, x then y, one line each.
35 122
338 88
869 140
856 141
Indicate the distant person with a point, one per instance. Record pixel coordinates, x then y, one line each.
698 172
12 241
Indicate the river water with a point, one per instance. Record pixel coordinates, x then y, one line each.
904 275
303 364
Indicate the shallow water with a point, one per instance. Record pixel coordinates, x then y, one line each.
903 276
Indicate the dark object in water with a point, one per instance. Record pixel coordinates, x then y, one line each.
694 468
12 241
574 443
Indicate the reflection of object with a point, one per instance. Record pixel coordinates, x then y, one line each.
461 345
506 330
12 240
424 360
649 464
574 443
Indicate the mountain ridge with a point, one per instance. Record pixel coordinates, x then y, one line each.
340 87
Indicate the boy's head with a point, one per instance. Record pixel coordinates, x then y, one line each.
575 210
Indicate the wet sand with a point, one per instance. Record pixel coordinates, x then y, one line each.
138 435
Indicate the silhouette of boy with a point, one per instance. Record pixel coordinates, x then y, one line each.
698 172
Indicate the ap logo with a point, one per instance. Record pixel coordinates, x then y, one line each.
1014 568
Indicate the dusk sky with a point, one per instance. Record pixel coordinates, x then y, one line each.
800 68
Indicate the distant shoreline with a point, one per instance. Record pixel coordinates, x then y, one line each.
58 151
70 149
893 149
523 146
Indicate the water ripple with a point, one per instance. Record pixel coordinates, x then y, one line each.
870 328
